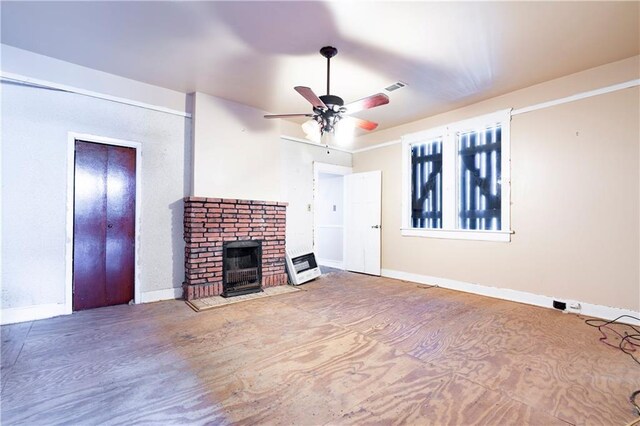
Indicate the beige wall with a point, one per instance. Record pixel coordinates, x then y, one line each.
575 195
236 152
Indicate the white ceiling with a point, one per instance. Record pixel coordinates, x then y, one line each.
449 54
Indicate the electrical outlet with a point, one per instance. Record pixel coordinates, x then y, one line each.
568 306
573 306
559 305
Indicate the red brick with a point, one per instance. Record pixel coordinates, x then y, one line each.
195 240
230 220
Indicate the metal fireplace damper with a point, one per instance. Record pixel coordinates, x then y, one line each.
242 267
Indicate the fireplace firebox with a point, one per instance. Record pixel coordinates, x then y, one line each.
241 267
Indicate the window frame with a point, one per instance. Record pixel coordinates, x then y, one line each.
450 186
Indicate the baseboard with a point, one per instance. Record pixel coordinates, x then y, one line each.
608 312
38 312
156 296
588 309
32 313
331 263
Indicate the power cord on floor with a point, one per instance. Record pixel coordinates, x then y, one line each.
632 399
629 337
635 422
629 342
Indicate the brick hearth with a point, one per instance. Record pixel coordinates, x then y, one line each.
209 222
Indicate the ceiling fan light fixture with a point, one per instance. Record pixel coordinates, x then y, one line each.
329 109
344 132
312 130
329 121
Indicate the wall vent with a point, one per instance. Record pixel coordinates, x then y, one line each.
395 86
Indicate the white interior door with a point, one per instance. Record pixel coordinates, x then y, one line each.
362 222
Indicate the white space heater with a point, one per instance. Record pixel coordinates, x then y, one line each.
302 266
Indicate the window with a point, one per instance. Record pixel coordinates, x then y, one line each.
456 180
426 184
479 198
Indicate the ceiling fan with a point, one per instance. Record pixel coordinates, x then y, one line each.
329 109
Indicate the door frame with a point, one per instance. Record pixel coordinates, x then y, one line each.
72 137
333 169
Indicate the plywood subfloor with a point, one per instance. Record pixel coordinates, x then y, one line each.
352 349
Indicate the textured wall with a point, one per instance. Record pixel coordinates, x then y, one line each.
236 151
35 126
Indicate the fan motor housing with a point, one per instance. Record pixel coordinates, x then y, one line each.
330 100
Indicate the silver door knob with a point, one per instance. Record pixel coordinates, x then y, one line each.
376 227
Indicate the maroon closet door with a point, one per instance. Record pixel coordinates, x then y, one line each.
104 225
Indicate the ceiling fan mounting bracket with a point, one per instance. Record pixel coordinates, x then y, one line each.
328 52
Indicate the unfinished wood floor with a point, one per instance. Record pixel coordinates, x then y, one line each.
352 349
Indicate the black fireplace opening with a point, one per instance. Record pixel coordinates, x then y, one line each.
241 267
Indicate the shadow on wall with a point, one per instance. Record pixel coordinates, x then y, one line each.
188 159
177 232
177 207
265 32
282 21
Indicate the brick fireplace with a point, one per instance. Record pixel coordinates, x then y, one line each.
211 222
